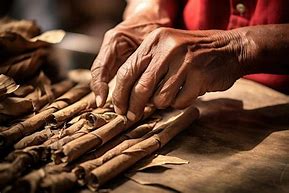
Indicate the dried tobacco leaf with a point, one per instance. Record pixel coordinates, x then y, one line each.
15 106
11 42
158 160
7 85
26 28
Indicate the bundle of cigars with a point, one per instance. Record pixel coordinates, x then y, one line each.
52 136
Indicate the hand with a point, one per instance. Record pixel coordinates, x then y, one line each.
141 17
173 67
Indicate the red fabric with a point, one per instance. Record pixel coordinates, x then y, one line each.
223 14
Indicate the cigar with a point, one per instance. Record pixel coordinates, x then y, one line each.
112 149
167 130
96 138
57 90
24 66
23 160
30 182
32 124
36 138
64 114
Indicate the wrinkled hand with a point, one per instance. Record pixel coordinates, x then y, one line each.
118 44
173 67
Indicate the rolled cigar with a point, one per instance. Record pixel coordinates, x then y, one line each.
23 160
35 139
23 67
57 89
113 149
96 138
127 158
10 171
64 114
85 143
56 145
31 181
73 128
32 124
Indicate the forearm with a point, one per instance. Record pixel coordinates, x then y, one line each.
151 10
265 48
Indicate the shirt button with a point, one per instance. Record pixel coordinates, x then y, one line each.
241 8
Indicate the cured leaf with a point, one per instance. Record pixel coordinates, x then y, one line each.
7 85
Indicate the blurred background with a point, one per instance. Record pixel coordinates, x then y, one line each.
84 21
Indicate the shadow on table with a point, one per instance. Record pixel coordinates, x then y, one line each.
225 126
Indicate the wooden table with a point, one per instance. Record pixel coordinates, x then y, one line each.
239 144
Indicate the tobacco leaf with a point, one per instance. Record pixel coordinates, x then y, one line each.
15 106
11 42
158 160
26 28
7 85
23 90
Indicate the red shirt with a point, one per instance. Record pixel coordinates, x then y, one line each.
230 14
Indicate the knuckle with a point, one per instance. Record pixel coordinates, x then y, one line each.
122 74
161 31
113 34
141 89
160 102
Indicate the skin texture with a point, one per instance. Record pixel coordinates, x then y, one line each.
171 67
140 18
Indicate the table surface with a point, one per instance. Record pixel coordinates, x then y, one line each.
239 144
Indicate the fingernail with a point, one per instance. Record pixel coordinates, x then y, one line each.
131 116
117 110
98 101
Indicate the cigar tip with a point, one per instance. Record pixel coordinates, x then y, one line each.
93 183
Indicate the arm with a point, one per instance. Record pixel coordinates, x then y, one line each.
267 48
173 67
140 18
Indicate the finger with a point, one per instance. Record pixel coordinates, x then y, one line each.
144 88
126 77
170 86
115 49
99 78
189 92
167 92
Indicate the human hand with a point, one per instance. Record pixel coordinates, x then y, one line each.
141 17
173 67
